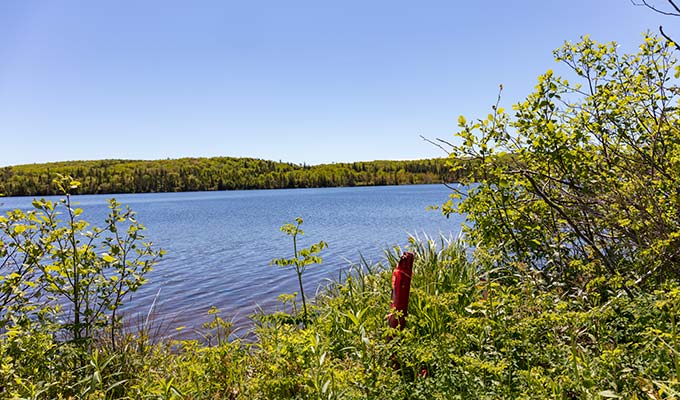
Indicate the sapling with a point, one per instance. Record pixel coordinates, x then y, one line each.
301 259
66 270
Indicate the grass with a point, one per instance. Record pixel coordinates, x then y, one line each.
467 336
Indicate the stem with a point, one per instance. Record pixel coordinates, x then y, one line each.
302 292
76 277
674 333
113 329
299 273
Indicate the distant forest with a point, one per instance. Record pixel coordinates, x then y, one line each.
218 173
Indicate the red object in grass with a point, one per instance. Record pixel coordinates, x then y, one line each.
401 287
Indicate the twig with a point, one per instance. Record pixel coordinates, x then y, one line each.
660 11
673 42
436 144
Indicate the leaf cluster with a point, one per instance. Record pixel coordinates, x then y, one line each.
301 257
62 275
580 183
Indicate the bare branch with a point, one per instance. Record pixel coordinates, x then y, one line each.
437 144
645 3
673 42
674 6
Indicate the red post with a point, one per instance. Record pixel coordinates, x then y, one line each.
401 287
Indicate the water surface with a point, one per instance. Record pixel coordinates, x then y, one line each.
219 244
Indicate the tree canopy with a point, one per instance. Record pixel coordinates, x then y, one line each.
218 173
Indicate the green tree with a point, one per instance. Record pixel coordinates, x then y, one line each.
582 184
217 173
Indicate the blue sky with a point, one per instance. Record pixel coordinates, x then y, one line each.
299 81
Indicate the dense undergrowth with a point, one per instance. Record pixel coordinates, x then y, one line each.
468 335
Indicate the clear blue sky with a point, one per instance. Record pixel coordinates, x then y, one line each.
300 81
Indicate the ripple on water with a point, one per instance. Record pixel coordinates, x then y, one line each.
219 244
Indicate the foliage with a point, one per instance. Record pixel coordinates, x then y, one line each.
301 259
590 194
467 336
575 199
68 275
219 173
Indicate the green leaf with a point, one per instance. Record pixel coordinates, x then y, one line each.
609 394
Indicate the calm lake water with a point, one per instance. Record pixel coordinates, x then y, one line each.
219 244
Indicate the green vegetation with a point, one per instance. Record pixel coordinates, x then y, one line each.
468 336
301 259
591 197
565 284
67 278
219 173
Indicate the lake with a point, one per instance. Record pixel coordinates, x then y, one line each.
219 244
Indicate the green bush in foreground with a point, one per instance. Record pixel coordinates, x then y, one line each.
467 337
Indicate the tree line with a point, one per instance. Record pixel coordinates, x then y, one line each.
217 173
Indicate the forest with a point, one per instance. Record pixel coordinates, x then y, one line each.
217 173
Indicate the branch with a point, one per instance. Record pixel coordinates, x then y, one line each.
575 228
645 3
673 42
674 6
432 142
675 13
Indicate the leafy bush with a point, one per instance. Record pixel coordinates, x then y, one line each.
467 336
581 184
67 275
62 282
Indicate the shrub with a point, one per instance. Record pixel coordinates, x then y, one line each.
581 184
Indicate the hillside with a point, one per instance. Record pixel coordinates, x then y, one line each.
217 173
